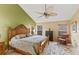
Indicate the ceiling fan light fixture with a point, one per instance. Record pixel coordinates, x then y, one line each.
48 12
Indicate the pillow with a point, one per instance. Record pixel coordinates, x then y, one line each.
27 35
20 36
17 37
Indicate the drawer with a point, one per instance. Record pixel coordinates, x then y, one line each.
2 43
1 53
1 46
2 49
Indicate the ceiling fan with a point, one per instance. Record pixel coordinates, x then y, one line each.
47 12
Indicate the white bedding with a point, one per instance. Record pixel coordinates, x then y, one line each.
34 39
27 43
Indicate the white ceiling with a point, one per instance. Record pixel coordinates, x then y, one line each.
64 11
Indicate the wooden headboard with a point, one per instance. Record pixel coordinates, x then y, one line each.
20 29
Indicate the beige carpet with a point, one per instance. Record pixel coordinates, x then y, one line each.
53 49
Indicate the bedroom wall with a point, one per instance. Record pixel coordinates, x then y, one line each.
75 35
54 26
12 15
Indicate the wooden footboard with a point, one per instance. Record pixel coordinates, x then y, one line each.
40 47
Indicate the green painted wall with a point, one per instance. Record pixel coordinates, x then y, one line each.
12 15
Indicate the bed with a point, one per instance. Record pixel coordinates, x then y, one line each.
20 41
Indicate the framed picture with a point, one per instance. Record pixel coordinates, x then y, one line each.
62 29
74 26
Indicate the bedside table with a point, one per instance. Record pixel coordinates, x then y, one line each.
2 48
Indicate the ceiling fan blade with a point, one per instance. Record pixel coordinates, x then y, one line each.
45 8
40 12
40 16
48 12
52 14
50 8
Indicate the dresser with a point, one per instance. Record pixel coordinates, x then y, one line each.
2 48
49 34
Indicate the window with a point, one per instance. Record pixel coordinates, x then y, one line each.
39 29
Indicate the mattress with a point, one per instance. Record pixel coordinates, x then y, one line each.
27 43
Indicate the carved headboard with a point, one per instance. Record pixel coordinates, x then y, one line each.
20 29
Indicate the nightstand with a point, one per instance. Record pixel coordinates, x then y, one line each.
2 48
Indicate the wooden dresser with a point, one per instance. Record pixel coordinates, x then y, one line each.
2 48
49 34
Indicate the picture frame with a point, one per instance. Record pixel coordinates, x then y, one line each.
74 27
62 29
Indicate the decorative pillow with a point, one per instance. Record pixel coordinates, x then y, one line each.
17 37
27 35
20 36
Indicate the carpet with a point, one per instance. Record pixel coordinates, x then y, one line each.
53 49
